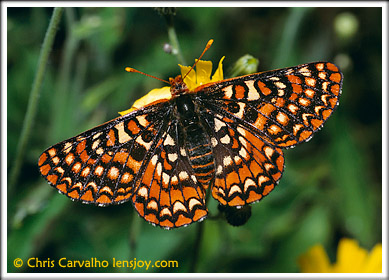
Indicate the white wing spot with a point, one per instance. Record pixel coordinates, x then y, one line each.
227 161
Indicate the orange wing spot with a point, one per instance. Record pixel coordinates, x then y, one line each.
316 123
152 218
133 127
335 77
274 129
268 189
176 195
45 169
52 179
199 213
297 88
333 102
121 157
182 220
189 192
167 166
263 88
106 158
139 207
239 92
122 197
62 188
232 178
154 190
74 194
280 102
305 134
84 156
293 97
253 196
164 199
81 147
326 113
267 109
236 201
294 79
332 67
148 174
42 159
335 89
235 143
133 164
260 122
111 138
166 223
87 196
103 199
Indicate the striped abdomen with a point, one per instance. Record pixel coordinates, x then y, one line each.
200 154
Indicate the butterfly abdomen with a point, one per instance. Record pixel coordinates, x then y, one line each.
196 141
200 153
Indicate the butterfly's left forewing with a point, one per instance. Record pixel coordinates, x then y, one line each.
100 166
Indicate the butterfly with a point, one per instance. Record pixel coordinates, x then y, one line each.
227 136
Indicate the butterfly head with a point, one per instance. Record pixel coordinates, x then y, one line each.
177 86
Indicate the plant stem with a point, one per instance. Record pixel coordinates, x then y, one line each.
197 247
171 31
34 95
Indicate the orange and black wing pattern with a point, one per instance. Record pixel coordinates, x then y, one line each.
133 157
252 117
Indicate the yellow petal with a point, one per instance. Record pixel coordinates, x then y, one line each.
373 263
202 74
152 96
314 261
350 257
190 79
203 70
218 76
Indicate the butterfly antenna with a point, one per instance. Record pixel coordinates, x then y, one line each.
209 44
129 69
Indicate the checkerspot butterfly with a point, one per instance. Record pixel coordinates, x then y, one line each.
226 135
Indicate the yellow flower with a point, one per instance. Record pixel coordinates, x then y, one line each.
202 75
194 79
350 259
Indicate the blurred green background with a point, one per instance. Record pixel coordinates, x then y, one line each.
331 187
